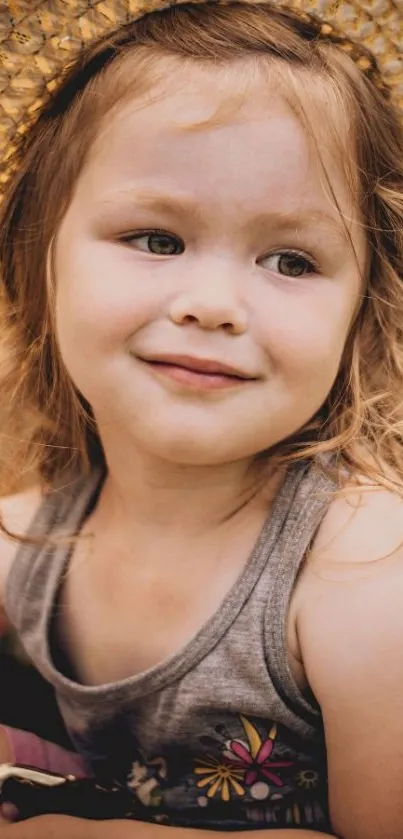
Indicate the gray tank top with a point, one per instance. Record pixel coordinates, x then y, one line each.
219 735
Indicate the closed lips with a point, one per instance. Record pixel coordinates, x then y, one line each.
198 365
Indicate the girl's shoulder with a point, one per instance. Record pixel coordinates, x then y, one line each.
351 583
363 525
16 513
354 563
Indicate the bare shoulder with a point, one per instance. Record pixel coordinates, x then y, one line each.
17 512
363 525
354 568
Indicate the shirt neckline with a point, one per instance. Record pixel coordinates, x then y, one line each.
210 633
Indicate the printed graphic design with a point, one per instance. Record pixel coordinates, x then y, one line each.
243 765
238 772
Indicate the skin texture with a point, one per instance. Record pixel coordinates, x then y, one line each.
179 491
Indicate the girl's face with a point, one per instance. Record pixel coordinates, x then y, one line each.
215 242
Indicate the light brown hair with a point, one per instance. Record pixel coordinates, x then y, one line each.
47 426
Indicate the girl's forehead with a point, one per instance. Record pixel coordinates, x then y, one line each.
235 119
192 95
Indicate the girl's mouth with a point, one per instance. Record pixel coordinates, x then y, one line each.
197 380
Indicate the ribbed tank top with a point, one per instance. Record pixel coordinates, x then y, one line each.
218 735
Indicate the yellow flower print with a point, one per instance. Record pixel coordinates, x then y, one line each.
219 777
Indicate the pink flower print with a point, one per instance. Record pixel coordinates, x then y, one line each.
258 765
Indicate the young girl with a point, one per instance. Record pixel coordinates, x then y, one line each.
202 544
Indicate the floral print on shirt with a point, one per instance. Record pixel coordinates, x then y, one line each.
244 773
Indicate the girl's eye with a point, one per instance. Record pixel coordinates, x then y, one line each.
291 264
156 241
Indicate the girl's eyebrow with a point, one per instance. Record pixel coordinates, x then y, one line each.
182 205
168 204
305 222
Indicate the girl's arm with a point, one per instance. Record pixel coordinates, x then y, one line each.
350 630
63 827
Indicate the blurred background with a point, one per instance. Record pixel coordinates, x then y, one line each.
26 700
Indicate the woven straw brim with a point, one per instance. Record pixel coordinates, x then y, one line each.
39 40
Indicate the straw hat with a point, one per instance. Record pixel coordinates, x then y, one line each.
39 39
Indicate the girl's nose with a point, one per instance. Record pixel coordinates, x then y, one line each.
212 304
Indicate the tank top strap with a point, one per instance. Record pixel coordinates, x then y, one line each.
313 493
60 514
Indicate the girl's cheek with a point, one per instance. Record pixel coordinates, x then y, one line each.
107 303
298 335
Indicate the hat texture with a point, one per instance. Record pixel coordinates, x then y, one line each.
39 39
